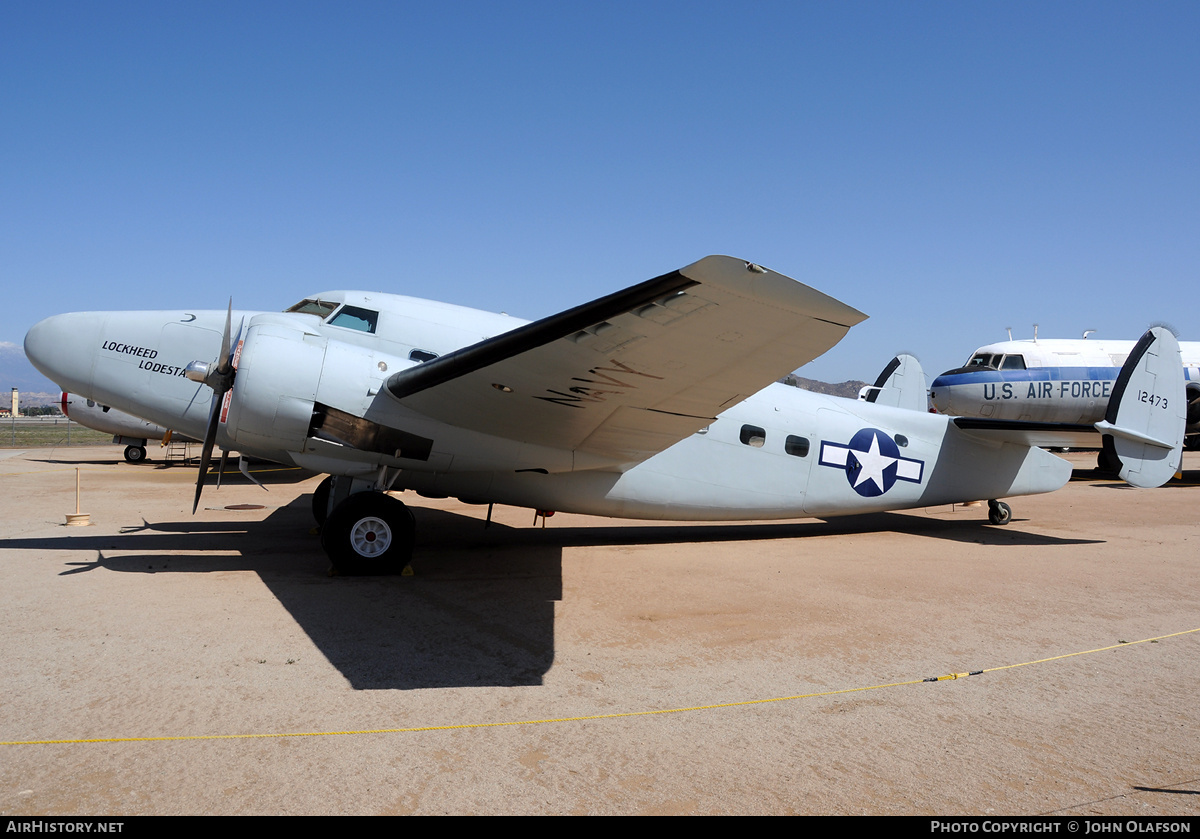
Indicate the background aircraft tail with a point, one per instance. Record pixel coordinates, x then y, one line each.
1144 426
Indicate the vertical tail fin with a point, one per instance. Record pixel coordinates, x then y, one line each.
901 385
1143 429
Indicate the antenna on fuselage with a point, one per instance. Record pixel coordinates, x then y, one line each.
1035 333
1087 332
1009 328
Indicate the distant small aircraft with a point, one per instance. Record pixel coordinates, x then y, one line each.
655 402
1051 380
125 428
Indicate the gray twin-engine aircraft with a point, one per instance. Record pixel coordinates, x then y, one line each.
127 430
656 402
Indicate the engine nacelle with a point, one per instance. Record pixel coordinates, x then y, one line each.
278 370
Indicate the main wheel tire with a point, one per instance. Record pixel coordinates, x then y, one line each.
320 500
999 512
1107 463
135 454
369 533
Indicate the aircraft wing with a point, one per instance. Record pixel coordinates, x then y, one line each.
626 376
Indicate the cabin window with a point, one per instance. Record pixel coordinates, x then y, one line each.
352 317
313 307
901 440
754 436
422 355
1013 362
797 446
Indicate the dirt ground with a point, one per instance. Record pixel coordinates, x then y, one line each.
468 686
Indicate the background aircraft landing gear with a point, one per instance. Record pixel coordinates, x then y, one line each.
999 512
1107 462
369 533
320 500
135 454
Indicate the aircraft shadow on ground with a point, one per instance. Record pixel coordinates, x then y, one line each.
265 472
1188 478
972 530
479 610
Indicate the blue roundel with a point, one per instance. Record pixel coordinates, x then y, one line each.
871 462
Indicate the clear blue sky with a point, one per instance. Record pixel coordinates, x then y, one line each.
950 168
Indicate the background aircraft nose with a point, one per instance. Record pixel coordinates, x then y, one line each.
61 348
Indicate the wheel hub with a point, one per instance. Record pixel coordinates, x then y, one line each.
370 537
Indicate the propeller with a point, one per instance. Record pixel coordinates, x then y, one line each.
219 376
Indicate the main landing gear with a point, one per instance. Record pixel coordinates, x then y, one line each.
135 454
999 512
364 532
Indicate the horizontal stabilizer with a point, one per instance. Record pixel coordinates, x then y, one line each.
1143 428
901 385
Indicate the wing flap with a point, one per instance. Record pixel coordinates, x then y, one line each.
627 375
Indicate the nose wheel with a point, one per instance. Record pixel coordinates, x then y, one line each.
999 512
369 533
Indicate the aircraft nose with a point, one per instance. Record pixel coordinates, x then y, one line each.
939 395
60 348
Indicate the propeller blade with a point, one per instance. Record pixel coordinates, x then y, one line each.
220 385
224 359
221 468
210 438
244 468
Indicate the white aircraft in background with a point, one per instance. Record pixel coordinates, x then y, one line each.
1051 380
655 402
125 428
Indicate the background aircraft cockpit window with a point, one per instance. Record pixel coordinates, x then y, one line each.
422 355
352 317
313 307
1013 362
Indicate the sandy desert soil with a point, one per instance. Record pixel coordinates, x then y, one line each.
226 627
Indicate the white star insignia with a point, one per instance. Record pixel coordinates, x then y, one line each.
872 464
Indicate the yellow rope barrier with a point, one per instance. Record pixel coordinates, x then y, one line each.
612 716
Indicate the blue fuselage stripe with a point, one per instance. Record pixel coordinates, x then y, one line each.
1035 374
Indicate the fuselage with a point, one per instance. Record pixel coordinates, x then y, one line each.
107 419
310 390
1047 380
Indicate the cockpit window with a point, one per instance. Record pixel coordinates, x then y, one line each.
983 360
352 317
1013 362
313 307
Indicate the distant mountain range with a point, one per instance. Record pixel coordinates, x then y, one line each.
16 371
848 389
